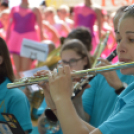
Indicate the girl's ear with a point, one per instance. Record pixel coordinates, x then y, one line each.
1 60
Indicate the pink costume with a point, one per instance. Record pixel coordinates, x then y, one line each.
86 16
24 22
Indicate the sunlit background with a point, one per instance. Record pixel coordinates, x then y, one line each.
33 3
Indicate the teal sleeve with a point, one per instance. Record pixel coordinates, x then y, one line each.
88 97
121 123
20 108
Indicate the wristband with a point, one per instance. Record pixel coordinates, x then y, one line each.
118 91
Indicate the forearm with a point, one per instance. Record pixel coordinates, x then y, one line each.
69 120
39 22
8 31
79 108
66 28
55 36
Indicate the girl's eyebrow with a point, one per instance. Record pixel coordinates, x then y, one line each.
130 32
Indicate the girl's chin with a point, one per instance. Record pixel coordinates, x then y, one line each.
128 71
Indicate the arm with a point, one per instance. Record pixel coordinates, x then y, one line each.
80 110
39 22
70 123
75 18
65 28
20 107
99 22
61 95
9 25
55 36
85 102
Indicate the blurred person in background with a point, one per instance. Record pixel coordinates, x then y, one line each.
64 13
87 15
84 35
51 17
4 17
42 7
111 43
3 5
74 54
22 24
51 33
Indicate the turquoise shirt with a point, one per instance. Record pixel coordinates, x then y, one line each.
15 102
121 120
99 100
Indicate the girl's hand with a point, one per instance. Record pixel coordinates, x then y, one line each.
60 84
111 76
45 86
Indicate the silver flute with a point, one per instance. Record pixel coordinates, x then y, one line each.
35 80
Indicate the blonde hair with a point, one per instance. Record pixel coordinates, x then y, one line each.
6 11
64 7
50 9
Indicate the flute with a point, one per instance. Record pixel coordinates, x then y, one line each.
36 80
100 49
82 84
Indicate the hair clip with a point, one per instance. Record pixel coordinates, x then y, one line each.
128 8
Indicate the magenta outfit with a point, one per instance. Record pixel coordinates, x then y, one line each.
24 21
86 16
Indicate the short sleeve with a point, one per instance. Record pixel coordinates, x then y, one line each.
88 97
20 108
120 123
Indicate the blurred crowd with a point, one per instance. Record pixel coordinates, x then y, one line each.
48 23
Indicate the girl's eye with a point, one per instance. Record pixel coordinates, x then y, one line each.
131 40
118 40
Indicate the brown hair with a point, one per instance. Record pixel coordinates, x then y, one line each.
83 34
6 69
128 13
77 46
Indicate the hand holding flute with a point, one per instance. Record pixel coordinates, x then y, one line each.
111 76
46 88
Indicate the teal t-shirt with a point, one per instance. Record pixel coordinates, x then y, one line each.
15 102
99 100
121 120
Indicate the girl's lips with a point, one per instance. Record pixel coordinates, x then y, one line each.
124 60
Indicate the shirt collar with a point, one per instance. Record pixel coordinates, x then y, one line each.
128 97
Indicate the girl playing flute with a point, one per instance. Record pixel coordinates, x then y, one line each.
121 120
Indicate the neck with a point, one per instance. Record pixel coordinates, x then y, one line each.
88 3
24 4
